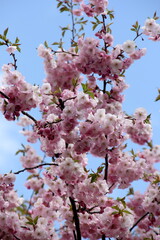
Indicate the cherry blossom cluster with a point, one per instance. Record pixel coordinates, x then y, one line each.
107 65
152 29
94 7
59 76
18 94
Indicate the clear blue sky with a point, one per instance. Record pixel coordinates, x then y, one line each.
35 21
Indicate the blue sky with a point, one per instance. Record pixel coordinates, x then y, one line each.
35 21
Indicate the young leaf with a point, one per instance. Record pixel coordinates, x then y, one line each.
5 32
46 44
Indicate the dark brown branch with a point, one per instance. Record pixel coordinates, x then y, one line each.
105 48
76 219
104 86
106 168
139 220
103 237
104 30
15 61
63 51
73 24
74 233
40 165
4 95
29 116
138 35
16 237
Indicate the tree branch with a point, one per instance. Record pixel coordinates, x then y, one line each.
139 220
29 116
76 219
4 95
40 165
104 86
13 56
16 237
103 237
73 23
106 168
15 61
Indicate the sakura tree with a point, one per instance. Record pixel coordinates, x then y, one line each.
81 105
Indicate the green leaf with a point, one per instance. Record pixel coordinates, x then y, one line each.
31 176
35 220
2 43
148 118
46 44
55 43
75 82
130 192
17 40
64 9
100 169
76 49
122 200
116 207
18 48
20 151
59 4
29 219
126 211
157 180
155 16
91 94
150 144
157 98
84 87
5 32
133 29
94 177
111 15
114 213
3 38
94 26
30 223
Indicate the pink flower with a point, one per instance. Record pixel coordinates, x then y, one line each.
11 49
137 54
77 12
108 38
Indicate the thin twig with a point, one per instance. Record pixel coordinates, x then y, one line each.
138 35
4 95
40 165
28 115
15 61
63 51
76 219
139 220
13 56
73 23
104 29
106 168
16 237
105 48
